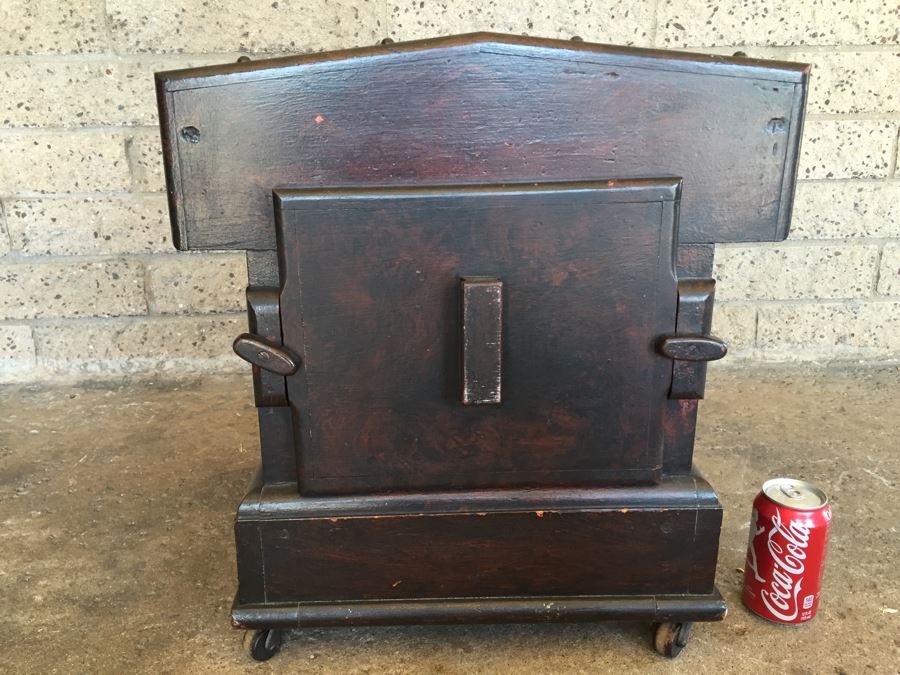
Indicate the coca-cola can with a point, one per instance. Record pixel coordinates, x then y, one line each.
786 553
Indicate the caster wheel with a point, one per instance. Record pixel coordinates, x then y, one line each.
671 638
263 644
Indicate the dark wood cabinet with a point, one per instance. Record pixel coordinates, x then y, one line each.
479 310
372 293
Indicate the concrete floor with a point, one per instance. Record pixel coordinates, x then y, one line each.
116 554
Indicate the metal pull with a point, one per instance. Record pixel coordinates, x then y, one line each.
481 309
693 347
262 354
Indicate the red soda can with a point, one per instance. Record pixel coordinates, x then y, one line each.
786 553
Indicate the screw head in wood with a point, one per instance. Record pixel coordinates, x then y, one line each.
190 134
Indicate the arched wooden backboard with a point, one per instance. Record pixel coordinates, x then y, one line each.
481 108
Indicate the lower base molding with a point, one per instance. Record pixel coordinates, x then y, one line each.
632 545
659 608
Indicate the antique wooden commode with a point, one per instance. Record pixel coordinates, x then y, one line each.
479 306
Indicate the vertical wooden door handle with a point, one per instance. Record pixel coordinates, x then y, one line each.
481 305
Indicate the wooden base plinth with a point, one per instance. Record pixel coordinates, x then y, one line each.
491 556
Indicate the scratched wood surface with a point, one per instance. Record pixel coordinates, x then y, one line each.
483 555
481 107
382 496
370 302
481 340
489 544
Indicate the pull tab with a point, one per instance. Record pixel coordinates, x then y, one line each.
481 304
791 492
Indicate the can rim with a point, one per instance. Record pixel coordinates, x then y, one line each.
801 483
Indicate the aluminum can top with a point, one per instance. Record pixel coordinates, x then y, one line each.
794 494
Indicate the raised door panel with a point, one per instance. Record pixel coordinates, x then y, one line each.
371 303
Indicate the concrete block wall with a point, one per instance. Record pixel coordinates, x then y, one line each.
89 283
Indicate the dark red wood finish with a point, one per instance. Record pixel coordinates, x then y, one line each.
370 302
640 540
477 108
501 554
480 340
525 453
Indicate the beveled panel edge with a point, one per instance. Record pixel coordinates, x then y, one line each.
283 500
642 190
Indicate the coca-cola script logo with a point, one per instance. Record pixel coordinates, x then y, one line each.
787 547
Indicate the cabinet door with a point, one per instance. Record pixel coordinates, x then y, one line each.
478 336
